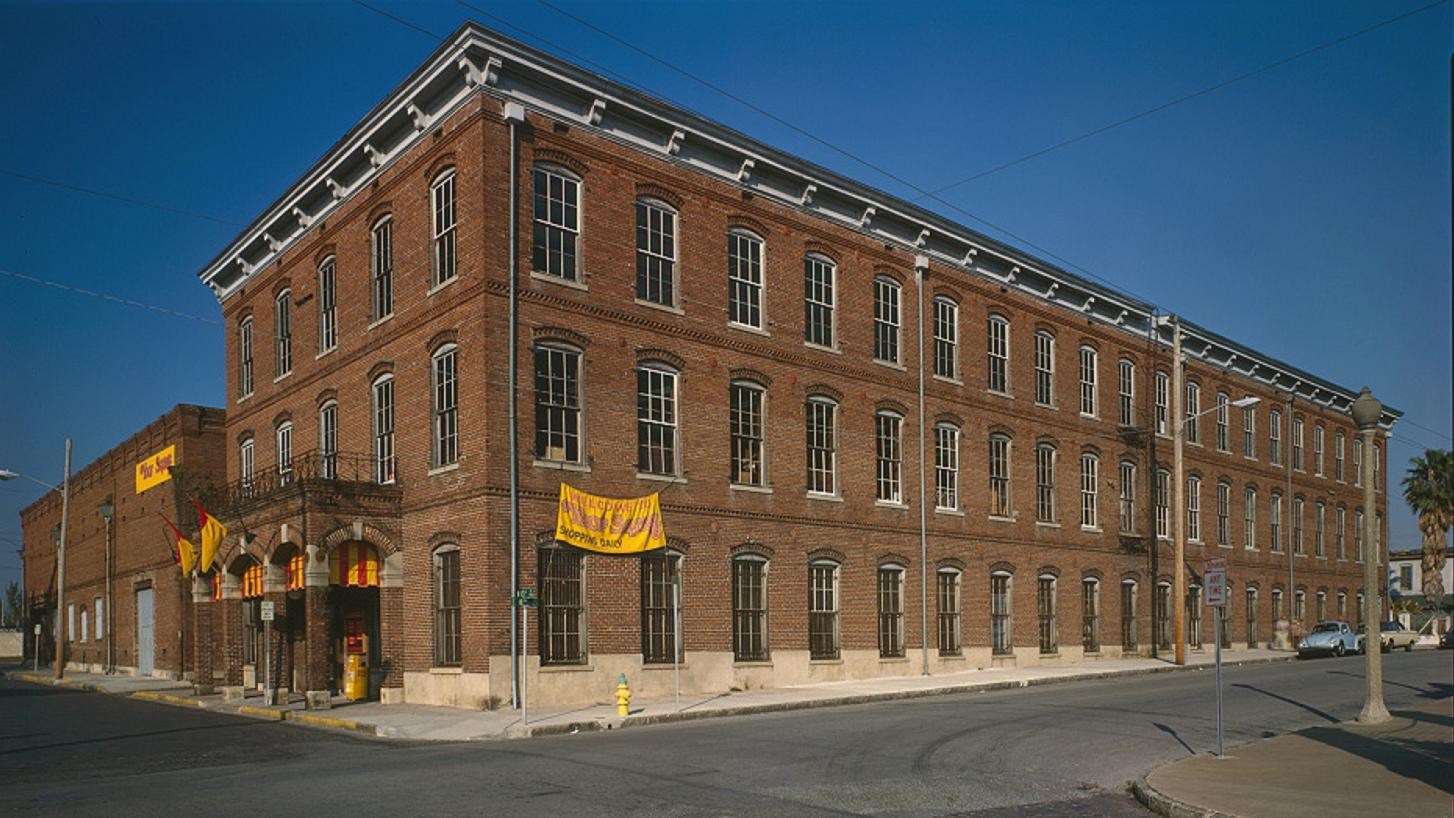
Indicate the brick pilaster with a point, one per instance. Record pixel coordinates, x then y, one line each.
202 636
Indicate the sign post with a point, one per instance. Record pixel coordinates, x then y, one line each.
36 657
1214 580
524 600
265 614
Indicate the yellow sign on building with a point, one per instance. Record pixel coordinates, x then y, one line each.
156 469
608 525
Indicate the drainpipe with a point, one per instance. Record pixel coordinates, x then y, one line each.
515 115
921 269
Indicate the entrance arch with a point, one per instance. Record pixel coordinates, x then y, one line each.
354 611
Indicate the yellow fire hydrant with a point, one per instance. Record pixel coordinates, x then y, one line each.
623 697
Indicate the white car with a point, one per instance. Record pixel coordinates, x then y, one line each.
1391 635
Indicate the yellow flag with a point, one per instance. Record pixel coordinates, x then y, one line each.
608 525
186 555
212 533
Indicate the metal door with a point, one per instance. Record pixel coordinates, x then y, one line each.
145 632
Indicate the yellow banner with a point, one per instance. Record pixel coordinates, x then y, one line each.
156 469
608 525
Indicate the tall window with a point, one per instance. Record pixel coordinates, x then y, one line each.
558 404
886 297
1224 514
1223 411
1194 508
328 439
947 584
1045 605
442 194
1300 606
1277 610
1297 527
384 429
1358 535
327 305
822 426
562 606
446 606
1297 443
887 435
1249 519
284 437
1163 397
946 466
656 420
823 609
998 347
1162 611
1343 605
819 276
1163 504
1358 461
1000 637
244 357
656 253
660 587
1090 615
556 215
1045 483
890 611
1191 426
744 279
1338 456
1322 603
1342 522
746 418
1377 467
383 269
446 407
1249 432
283 333
1044 368
1090 477
1128 497
1274 437
1126 391
999 463
1194 616
946 338
1128 615
1318 437
1088 381
1251 617
1275 511
246 464
749 609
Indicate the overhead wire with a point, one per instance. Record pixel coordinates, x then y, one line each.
118 197
45 282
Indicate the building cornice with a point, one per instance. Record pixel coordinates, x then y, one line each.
477 62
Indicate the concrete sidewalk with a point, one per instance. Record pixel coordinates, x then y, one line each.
427 723
1403 767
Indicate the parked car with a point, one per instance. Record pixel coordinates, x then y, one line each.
1446 640
1336 638
1391 635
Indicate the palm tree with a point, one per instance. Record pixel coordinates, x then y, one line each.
1429 491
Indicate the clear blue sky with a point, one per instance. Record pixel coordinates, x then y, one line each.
1304 211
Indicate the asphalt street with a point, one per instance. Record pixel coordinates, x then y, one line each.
1058 750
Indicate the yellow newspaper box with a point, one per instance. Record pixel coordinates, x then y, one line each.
355 677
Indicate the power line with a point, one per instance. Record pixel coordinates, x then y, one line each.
107 297
400 20
1185 98
1427 429
118 197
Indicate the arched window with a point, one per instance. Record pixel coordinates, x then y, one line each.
246 463
1128 615
1163 616
1044 368
946 337
1163 399
1320 527
1251 617
1001 638
328 439
946 466
1275 512
822 447
889 456
442 197
1048 614
1274 437
656 253
1224 514
745 279
1045 483
999 472
998 350
1319 440
1191 427
244 357
1249 518
1223 416
1088 377
383 417
947 585
283 333
1194 508
284 438
327 304
1126 391
820 283
887 297
1090 480
447 641
383 268
1128 497
823 609
555 217
656 419
445 401
1163 504
1090 615
749 608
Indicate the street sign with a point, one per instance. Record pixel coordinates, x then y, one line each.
525 598
265 611
1214 583
37 629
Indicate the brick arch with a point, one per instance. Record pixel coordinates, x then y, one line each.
750 547
357 532
893 558
827 554
950 562
1002 566
677 544
564 160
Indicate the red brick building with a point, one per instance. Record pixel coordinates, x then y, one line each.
879 437
126 606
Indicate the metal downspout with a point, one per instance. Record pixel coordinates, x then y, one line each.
921 269
515 115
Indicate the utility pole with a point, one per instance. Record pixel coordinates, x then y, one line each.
1367 411
61 621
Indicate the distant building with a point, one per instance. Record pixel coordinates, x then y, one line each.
884 443
1406 575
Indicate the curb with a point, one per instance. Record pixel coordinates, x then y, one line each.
328 721
168 698
260 712
1168 807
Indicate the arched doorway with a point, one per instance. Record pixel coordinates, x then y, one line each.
353 596
290 624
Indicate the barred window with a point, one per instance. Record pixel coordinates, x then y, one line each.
1163 616
1274 437
823 609
744 279
1223 412
558 404
946 338
1194 508
1163 504
746 417
1045 605
1126 392
284 438
890 611
1090 615
656 420
1128 497
999 354
446 606
1297 443
446 407
1001 639
946 466
244 357
1045 483
555 244
656 253
999 467
328 439
1249 519
822 448
1163 393
947 584
1090 478
562 606
886 297
1088 358
1191 427
749 609
384 429
442 194
327 305
660 602
1224 514
283 333
383 269
1128 615
1044 368
1249 432
889 445
819 276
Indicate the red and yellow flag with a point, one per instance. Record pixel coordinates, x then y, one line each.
184 554
211 533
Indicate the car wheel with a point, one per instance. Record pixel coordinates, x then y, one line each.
1338 649
1408 647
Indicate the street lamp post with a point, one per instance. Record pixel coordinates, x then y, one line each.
108 511
1367 411
6 474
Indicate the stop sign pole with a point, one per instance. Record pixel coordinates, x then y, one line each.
1214 578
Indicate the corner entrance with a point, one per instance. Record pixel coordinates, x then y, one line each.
353 627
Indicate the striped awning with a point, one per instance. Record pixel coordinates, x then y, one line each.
295 572
354 565
252 582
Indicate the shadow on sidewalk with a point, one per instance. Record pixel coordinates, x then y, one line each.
1416 759
1322 714
1435 690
